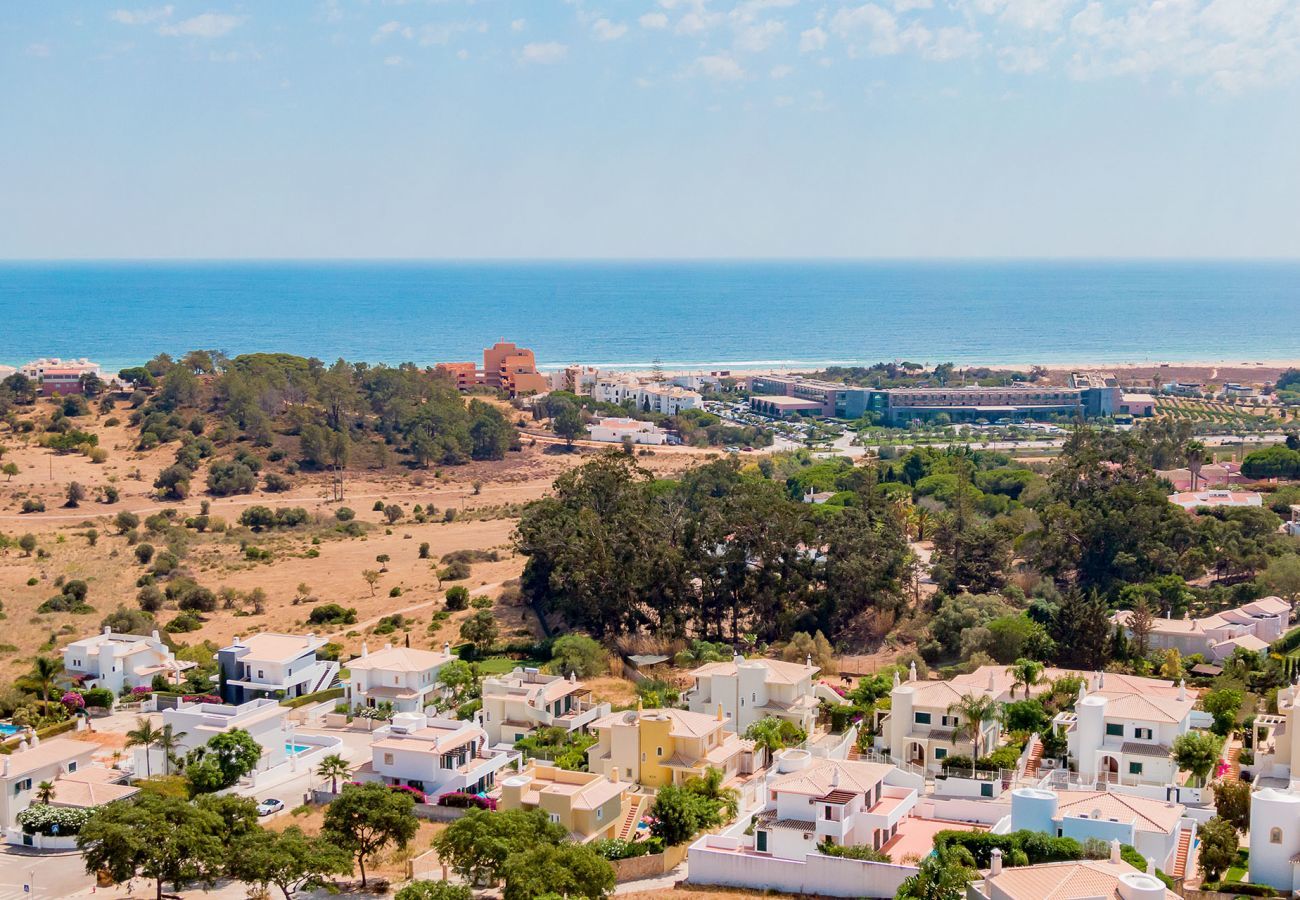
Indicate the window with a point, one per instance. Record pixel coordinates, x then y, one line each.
555 817
1135 768
600 813
388 759
1275 836
72 767
940 752
986 789
922 718
760 841
642 757
1115 729
659 751
827 815
1142 734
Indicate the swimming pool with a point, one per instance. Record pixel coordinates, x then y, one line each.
7 729
293 749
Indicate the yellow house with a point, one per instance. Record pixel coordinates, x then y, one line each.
667 746
588 805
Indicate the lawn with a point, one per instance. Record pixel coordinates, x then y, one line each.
500 665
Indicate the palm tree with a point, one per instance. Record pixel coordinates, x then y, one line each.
334 767
44 671
709 785
1027 672
168 742
921 519
938 877
1195 457
45 792
973 711
143 735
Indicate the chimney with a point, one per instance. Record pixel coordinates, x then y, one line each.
639 706
365 651
388 645
896 681
835 776
719 712
155 635
1101 680
993 687
1114 851
808 661
738 658
311 635
995 862
573 678
911 671
613 774
108 629
1182 689
1151 866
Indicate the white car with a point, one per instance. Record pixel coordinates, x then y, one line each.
268 806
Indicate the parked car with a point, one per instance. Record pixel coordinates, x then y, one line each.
269 805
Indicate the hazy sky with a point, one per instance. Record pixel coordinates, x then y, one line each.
650 128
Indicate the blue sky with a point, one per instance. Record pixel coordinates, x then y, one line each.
651 128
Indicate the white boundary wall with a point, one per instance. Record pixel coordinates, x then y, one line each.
713 860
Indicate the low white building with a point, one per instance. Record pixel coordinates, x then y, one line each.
920 731
405 677
748 690
436 756
274 665
194 724
1275 838
1159 829
22 771
647 396
116 661
810 802
37 368
615 430
1251 626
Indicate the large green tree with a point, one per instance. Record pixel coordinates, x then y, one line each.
166 839
366 818
563 870
289 859
477 845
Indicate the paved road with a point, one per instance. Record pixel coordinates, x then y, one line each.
49 874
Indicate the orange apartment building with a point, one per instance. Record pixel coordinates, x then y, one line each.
511 368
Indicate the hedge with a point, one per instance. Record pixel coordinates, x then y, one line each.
318 697
1241 888
1036 846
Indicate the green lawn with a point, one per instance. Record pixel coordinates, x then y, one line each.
500 665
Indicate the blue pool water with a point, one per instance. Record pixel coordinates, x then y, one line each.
296 748
7 729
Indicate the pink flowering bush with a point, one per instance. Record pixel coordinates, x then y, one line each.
463 800
418 794
73 701
142 690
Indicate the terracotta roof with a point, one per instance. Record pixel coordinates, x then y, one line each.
816 780
399 659
684 723
1138 748
1063 881
1169 710
778 670
1157 816
86 794
47 753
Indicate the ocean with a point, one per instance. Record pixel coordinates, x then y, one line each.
687 315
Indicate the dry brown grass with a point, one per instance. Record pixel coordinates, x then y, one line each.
391 864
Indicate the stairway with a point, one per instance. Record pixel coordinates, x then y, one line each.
854 754
1184 850
1035 757
1233 772
625 831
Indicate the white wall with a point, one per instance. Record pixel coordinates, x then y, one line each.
815 874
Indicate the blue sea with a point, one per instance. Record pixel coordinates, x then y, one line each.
685 314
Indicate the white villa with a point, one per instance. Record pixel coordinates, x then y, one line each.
647 396
25 768
121 661
266 721
517 703
1122 730
436 756
1275 806
270 664
1159 829
614 430
918 729
405 677
1252 626
752 689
